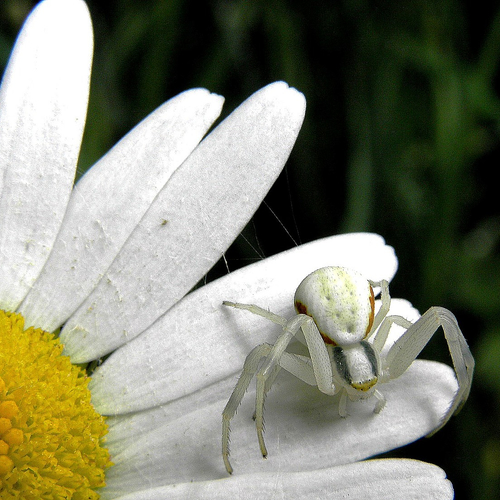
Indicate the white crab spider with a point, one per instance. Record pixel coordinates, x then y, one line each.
336 313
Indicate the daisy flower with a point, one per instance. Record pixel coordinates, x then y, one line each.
108 264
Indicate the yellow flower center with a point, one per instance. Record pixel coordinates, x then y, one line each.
50 435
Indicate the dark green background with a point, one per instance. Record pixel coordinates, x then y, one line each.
401 137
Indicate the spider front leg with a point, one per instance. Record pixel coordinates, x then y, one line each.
265 376
410 344
268 370
249 369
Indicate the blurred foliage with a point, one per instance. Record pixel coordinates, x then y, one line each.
401 138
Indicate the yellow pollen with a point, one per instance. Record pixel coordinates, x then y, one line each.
8 409
4 447
51 437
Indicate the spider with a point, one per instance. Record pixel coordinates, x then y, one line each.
336 314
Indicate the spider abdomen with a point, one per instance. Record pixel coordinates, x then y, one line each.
340 301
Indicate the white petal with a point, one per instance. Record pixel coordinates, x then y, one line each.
43 102
181 441
110 200
199 341
191 223
373 479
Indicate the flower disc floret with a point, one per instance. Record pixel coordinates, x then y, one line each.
51 437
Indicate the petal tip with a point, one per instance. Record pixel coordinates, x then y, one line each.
52 10
290 93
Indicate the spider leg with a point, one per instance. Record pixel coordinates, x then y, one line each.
385 299
267 374
275 318
383 332
409 345
249 368
299 366
296 364
267 370
320 357
381 401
